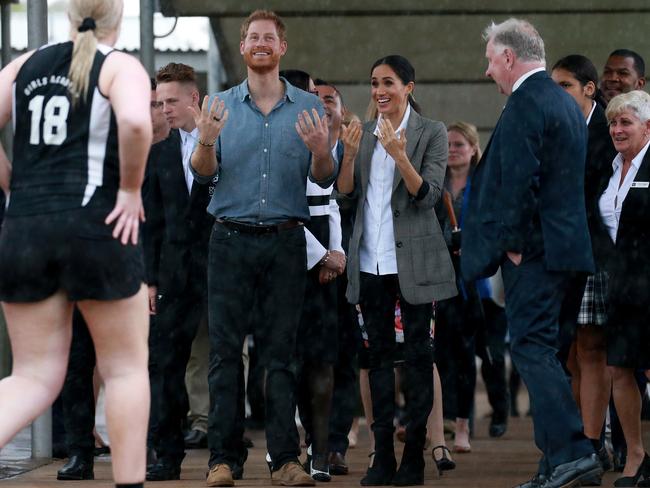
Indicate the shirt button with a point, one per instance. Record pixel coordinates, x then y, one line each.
396 214
261 223
265 150
264 175
398 244
263 200
266 125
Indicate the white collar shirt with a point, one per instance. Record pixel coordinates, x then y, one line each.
525 76
611 201
377 248
593 108
188 141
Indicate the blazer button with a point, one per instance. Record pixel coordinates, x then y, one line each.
398 244
396 214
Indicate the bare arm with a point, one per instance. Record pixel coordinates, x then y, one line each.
7 78
126 83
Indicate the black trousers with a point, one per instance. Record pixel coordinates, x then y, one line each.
377 300
173 329
77 396
270 267
344 399
491 348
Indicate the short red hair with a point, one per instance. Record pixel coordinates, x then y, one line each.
264 15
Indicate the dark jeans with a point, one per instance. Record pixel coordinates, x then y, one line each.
173 329
377 300
77 396
344 400
534 296
491 348
272 268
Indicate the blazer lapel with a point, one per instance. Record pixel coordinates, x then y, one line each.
368 141
414 129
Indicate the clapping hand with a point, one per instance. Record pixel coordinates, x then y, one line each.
393 145
314 132
351 137
210 121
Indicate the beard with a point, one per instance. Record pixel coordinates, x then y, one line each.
262 66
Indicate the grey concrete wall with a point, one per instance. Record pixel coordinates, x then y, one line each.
338 40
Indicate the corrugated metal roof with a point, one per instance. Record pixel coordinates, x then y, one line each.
190 34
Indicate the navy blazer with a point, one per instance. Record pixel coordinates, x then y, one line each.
528 189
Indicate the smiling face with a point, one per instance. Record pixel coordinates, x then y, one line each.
628 133
262 47
388 92
620 76
332 104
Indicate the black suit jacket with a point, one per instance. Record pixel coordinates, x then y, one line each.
177 228
629 265
598 171
527 193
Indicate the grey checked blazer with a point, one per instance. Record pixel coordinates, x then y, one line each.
424 267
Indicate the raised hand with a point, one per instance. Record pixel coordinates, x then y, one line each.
395 146
351 137
314 132
210 120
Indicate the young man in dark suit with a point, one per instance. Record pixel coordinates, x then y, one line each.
176 238
527 214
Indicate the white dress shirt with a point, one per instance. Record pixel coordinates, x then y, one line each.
188 141
377 248
611 201
525 76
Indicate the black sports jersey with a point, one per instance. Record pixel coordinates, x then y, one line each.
65 156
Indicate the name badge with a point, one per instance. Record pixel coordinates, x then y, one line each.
641 184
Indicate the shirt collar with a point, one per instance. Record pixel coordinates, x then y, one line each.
289 90
402 124
184 134
525 76
636 162
593 107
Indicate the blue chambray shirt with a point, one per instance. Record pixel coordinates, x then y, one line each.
263 163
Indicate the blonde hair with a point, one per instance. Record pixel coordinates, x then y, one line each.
469 132
107 15
636 101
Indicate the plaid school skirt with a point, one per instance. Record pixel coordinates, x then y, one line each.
593 310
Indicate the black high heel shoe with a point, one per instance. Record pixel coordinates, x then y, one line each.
444 463
642 476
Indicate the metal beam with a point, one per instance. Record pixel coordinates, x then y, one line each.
5 21
225 53
36 23
147 36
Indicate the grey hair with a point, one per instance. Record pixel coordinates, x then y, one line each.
518 35
636 101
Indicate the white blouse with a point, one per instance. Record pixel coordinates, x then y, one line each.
377 248
611 201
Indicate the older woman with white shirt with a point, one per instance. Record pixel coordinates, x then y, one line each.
625 210
397 252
